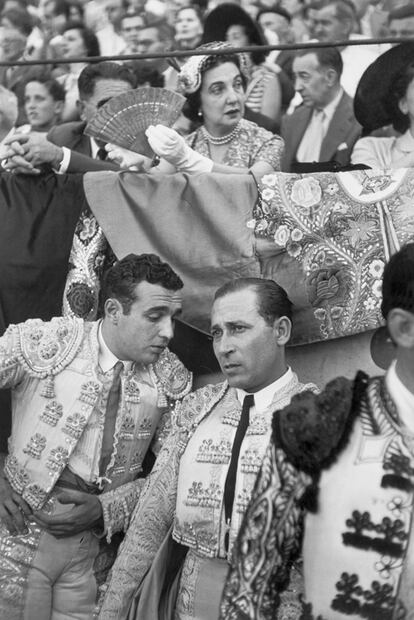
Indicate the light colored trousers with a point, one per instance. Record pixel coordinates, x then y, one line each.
45 578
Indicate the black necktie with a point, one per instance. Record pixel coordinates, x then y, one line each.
110 419
101 154
230 484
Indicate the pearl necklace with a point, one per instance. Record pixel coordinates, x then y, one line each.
222 139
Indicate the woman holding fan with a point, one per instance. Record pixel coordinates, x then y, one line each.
214 86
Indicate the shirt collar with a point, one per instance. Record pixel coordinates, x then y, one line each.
402 397
264 397
329 109
94 148
106 358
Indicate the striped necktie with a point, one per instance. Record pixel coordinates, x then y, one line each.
110 419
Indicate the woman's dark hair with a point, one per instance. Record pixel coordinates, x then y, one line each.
192 105
226 15
55 90
89 38
396 92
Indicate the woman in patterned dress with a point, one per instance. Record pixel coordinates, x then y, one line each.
224 141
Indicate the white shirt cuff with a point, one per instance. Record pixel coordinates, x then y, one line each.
64 164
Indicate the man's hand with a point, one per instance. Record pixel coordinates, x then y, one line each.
13 509
25 152
86 514
128 159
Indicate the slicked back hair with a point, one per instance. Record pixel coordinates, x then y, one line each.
328 58
272 300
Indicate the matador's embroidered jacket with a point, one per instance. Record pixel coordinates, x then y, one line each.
57 388
347 446
186 486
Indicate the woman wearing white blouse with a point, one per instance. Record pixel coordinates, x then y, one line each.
397 104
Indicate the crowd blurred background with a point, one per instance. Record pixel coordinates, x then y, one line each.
48 95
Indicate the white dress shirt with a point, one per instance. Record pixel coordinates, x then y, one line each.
264 397
310 146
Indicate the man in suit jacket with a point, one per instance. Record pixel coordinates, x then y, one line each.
323 129
66 147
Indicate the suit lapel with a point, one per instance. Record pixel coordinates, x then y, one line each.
299 127
338 129
80 142
293 133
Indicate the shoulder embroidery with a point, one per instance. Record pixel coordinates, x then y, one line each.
197 403
171 376
45 348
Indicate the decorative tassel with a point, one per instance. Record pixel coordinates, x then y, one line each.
48 389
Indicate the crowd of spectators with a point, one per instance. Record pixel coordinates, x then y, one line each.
285 89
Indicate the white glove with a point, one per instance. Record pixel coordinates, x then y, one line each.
167 143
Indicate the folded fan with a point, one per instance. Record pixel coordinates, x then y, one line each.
124 119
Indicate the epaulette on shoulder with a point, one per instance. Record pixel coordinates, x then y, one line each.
314 428
45 348
174 378
197 403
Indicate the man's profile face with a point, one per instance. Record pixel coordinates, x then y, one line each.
244 344
310 80
145 331
328 27
104 90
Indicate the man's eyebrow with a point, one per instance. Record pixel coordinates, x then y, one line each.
163 308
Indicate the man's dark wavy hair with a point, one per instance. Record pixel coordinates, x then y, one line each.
122 278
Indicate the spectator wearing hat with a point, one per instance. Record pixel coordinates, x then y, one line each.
386 95
323 129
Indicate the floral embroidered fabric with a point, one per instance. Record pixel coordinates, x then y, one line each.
250 145
335 233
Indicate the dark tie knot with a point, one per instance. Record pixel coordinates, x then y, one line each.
117 369
248 401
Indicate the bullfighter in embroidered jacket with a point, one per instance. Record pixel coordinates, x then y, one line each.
205 473
350 450
90 400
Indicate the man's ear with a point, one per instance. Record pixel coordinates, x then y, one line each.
400 324
282 328
113 310
331 76
403 105
59 107
80 106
